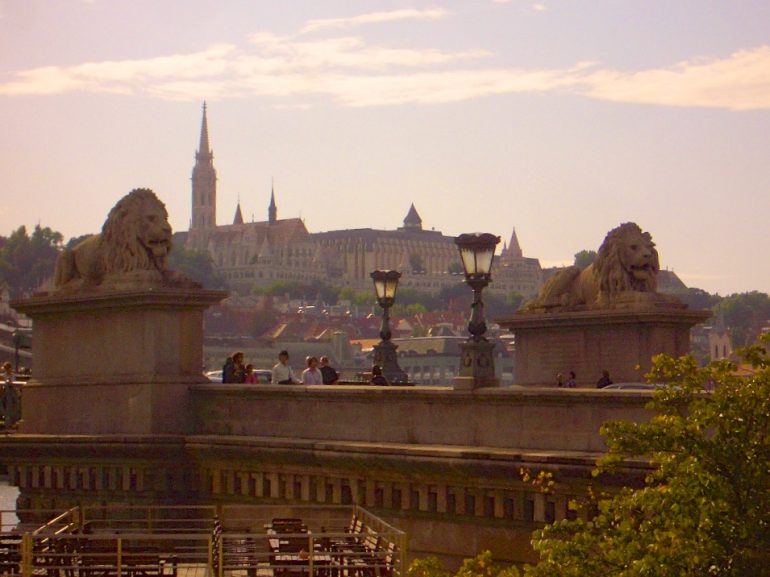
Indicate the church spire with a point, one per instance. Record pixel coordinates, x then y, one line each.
204 150
514 249
238 218
272 210
204 186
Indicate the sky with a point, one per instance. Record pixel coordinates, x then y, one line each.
561 119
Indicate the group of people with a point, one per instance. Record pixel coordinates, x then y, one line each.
571 382
235 371
318 372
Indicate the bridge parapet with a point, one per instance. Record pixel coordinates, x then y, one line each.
523 419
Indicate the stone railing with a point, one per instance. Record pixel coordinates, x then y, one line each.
565 420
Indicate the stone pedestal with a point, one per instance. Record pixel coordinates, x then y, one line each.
622 341
117 362
477 366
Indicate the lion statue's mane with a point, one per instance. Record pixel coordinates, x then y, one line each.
135 237
626 262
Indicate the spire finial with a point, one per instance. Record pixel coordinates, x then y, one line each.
272 209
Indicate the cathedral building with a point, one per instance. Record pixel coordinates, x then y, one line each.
250 254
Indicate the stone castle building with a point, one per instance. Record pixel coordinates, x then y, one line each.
260 253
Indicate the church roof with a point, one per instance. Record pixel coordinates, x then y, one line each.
282 233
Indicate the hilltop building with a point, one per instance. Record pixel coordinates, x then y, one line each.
260 253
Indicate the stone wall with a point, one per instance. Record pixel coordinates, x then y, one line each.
565 420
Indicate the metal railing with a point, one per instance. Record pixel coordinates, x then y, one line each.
205 541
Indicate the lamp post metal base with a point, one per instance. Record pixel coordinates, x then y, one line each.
385 356
477 366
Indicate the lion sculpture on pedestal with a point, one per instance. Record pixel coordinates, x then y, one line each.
131 250
625 268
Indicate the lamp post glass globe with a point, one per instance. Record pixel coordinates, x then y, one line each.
385 284
477 252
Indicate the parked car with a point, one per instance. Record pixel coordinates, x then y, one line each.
632 386
264 376
214 376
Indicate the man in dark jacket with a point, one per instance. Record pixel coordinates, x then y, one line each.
328 374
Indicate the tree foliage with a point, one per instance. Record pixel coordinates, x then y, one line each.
197 265
480 566
746 314
455 267
307 291
416 262
26 261
696 298
704 508
585 258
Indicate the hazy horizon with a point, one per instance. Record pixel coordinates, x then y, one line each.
560 119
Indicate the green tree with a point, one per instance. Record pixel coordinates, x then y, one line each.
704 508
197 265
26 261
416 262
745 314
584 258
513 300
696 298
455 267
482 565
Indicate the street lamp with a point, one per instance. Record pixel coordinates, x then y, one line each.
477 367
385 286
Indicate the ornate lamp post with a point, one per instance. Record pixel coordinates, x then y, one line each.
385 285
477 367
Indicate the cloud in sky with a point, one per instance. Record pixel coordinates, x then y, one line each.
374 18
354 73
738 82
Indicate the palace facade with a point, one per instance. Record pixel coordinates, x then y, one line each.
260 253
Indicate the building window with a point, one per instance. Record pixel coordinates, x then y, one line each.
529 509
396 499
550 512
347 496
470 504
489 506
451 503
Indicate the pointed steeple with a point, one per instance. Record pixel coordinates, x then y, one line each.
272 210
514 250
412 221
238 218
204 151
204 186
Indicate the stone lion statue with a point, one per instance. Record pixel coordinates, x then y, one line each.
132 248
627 264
